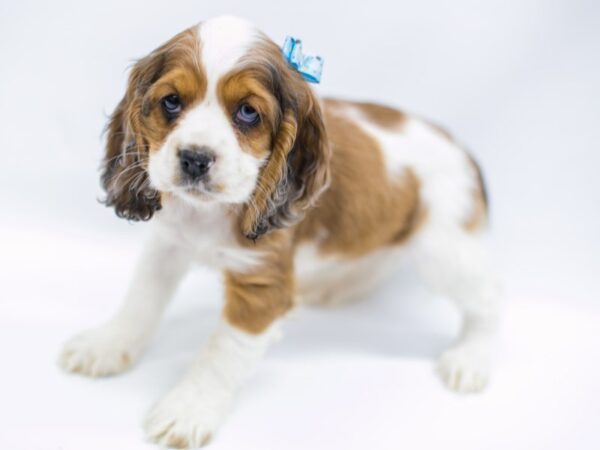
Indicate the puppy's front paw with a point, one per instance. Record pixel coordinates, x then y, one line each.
188 416
100 352
465 368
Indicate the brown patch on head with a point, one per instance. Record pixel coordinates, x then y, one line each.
365 208
138 125
479 214
247 86
296 170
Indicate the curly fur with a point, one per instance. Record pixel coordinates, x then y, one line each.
297 171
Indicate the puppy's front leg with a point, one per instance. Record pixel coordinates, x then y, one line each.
116 345
191 412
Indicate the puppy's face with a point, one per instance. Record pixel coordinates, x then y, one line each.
216 115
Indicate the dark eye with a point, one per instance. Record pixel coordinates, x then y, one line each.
171 105
246 115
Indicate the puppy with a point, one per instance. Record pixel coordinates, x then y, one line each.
294 199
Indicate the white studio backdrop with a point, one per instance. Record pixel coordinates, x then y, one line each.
516 81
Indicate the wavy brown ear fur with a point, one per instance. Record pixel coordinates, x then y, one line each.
297 171
124 175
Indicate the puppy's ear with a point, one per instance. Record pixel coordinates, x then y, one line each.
297 171
124 169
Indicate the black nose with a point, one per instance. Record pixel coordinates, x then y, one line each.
196 163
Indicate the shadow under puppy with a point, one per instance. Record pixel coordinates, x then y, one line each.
241 167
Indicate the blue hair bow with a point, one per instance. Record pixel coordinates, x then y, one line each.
309 66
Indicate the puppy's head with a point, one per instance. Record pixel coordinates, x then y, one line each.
217 115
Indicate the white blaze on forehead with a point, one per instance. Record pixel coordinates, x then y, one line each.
223 41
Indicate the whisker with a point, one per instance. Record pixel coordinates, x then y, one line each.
132 167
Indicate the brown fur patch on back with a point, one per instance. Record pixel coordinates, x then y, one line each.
364 208
384 116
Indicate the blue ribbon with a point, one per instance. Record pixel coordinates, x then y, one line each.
309 66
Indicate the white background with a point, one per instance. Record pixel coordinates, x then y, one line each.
517 80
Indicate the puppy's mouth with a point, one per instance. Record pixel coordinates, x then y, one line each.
200 190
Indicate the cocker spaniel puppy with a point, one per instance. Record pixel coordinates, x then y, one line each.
295 199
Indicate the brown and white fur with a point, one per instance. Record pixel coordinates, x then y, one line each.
314 203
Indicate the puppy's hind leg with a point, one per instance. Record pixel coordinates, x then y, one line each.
116 345
453 263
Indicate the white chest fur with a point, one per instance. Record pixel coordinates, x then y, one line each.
206 232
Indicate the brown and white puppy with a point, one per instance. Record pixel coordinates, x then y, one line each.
242 168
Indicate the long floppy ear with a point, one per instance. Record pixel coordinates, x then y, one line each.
297 171
124 169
